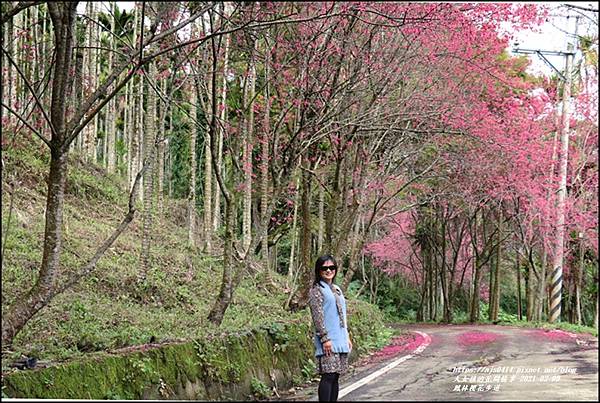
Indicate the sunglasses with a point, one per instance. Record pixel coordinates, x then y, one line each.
331 268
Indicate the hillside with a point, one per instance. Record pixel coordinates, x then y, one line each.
106 310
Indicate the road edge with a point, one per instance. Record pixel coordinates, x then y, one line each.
393 364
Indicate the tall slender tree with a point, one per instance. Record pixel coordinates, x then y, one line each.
150 134
191 207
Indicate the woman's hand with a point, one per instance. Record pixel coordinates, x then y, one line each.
327 347
350 343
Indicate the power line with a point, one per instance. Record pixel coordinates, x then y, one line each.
541 54
556 284
595 10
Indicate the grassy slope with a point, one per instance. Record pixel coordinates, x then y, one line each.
107 309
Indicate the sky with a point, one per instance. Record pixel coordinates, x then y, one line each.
555 35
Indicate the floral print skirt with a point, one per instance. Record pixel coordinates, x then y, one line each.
335 362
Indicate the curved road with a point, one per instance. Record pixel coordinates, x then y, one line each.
479 362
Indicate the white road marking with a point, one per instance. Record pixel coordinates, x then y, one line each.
385 369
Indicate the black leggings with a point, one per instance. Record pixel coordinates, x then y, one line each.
329 387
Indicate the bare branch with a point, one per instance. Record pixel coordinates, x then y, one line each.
75 128
262 24
100 93
595 10
22 5
22 119
31 90
91 264
116 51
115 36
86 107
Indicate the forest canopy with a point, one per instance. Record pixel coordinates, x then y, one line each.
401 138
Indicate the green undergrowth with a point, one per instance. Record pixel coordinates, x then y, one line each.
509 319
236 365
111 308
506 319
569 327
233 365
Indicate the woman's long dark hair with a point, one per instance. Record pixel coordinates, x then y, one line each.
319 263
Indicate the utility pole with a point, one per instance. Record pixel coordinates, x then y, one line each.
556 282
554 306
578 279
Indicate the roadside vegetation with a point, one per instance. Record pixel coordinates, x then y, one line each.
173 170
399 302
107 310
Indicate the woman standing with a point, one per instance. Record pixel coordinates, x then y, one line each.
332 342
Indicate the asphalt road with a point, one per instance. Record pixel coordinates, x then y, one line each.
478 363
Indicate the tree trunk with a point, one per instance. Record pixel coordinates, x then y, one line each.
264 164
445 282
43 44
474 311
111 113
445 295
434 289
541 290
169 157
578 277
160 180
194 95
149 147
208 174
569 301
530 290
12 74
596 315
356 246
35 17
306 274
519 302
24 60
160 133
492 294
135 130
141 151
17 44
425 292
223 117
420 316
77 92
331 212
321 220
63 18
227 287
229 268
477 266
247 141
496 288
95 78
127 132
43 290
293 242
90 131
450 302
227 282
439 296
135 100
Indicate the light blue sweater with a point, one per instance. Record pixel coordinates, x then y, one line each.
337 334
